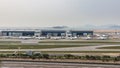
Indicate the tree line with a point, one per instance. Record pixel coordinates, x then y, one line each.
104 58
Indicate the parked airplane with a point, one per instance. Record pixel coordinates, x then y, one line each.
41 38
55 38
72 38
86 38
25 37
102 38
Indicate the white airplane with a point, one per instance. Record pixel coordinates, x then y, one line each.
102 38
41 38
56 38
72 38
25 37
97 35
87 38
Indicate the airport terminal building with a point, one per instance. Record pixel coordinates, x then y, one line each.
45 32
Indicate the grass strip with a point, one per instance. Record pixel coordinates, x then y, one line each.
10 41
80 51
78 41
110 47
37 46
65 52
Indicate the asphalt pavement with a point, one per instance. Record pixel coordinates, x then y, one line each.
13 64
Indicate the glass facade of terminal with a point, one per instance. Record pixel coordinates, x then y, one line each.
46 33
18 33
52 33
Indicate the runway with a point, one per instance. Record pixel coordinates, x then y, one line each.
85 48
15 64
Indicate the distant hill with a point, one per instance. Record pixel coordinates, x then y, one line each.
85 27
89 27
60 27
114 27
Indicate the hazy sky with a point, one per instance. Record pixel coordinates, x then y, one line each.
44 13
